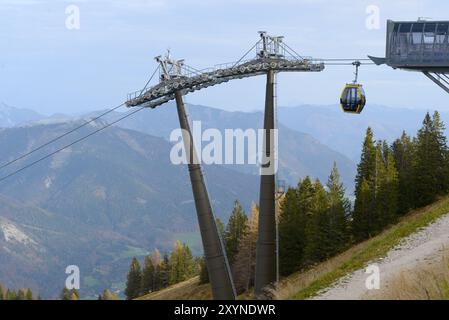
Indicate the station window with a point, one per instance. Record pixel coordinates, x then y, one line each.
405 27
430 27
417 33
441 34
418 27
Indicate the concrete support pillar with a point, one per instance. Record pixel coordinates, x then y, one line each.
217 264
266 265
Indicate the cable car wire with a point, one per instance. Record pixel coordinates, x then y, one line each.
59 137
7 164
347 64
243 57
290 50
343 59
70 144
151 78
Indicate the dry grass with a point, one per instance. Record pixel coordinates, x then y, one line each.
423 282
187 290
293 284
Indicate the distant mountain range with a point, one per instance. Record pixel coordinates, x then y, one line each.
11 116
96 204
345 132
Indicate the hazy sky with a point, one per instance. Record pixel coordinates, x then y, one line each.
49 68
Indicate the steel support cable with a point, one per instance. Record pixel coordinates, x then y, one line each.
243 57
346 64
151 78
343 59
72 130
294 55
59 137
289 48
443 78
70 144
192 69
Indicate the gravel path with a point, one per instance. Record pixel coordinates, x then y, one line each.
425 246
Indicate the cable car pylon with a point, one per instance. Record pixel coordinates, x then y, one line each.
176 80
217 263
266 249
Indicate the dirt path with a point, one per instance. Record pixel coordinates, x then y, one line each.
425 246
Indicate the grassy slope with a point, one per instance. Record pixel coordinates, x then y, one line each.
307 284
187 290
303 285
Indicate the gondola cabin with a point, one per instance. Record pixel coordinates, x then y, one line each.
353 98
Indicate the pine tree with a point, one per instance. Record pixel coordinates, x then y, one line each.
387 197
164 272
28 294
431 171
425 178
306 192
235 230
442 153
367 165
176 264
108 295
296 239
291 234
11 295
148 275
220 228
65 294
21 294
158 276
182 263
363 218
376 221
318 227
203 272
74 295
189 263
156 258
339 210
245 261
134 280
404 152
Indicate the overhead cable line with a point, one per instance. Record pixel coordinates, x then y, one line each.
346 64
72 130
149 80
345 59
59 137
69 145
243 57
292 50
